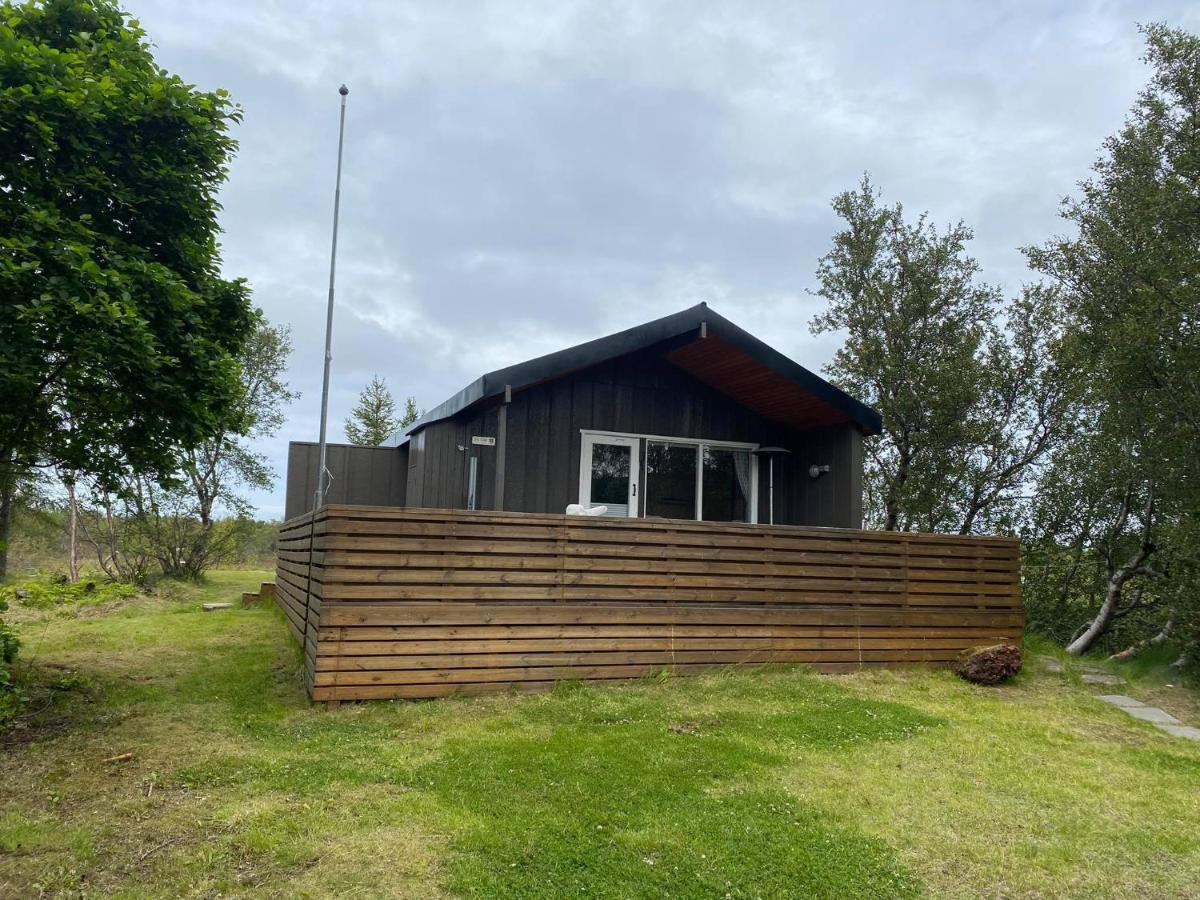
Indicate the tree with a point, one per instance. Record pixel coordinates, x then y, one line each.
224 461
1131 276
411 413
373 419
118 336
968 409
175 524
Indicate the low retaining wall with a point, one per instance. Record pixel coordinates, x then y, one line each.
422 602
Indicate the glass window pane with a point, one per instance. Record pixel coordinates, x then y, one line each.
671 480
610 476
726 485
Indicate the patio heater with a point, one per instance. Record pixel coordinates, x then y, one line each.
770 453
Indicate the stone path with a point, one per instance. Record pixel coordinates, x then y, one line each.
1101 678
1153 715
1136 708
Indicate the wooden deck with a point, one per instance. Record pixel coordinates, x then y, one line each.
393 603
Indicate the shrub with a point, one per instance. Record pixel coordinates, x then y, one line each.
9 702
989 665
54 593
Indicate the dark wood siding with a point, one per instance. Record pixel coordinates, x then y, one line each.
438 473
639 394
368 475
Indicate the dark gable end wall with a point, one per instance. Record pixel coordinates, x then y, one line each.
640 394
438 470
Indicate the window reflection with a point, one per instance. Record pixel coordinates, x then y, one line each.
726 479
610 474
671 480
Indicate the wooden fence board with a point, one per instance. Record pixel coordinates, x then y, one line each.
393 603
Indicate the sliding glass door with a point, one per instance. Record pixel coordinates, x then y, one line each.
727 484
680 478
671 488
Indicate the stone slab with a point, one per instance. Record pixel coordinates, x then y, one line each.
1183 731
1120 700
1152 714
1100 678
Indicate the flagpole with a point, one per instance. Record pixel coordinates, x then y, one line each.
322 471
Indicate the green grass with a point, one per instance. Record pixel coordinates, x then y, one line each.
766 783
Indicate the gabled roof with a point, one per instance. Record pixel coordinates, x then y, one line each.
706 345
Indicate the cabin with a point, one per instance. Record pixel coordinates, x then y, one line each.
684 417
672 497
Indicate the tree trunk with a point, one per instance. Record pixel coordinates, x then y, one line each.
1161 638
1113 593
72 532
1103 619
1119 575
8 484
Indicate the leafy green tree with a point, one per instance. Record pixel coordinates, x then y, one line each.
1129 495
374 418
215 470
176 524
969 409
118 337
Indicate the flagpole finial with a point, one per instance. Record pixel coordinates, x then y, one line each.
343 90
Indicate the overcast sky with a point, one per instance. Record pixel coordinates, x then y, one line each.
522 176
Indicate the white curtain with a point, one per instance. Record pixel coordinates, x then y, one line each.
741 466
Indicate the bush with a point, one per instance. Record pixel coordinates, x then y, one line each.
989 665
9 702
51 593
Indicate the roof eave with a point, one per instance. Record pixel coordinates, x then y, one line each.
552 365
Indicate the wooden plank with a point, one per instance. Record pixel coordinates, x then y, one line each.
846 597
426 655
411 669
418 691
367 565
867 582
496 539
345 511
338 544
560 672
442 633
567 613
911 640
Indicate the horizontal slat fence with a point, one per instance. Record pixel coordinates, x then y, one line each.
395 603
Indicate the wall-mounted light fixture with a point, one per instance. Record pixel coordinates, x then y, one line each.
815 471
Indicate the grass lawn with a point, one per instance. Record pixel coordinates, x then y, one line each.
776 783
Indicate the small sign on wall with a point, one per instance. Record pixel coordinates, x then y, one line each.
483 441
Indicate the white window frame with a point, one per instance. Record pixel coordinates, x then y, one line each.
589 436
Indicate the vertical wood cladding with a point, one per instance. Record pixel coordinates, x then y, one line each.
366 475
637 394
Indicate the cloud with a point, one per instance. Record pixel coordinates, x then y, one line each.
520 176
